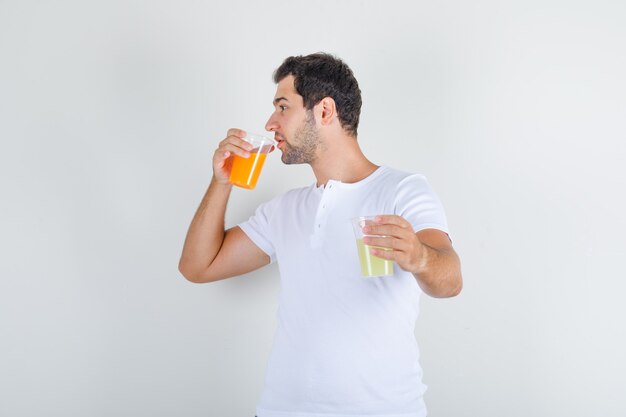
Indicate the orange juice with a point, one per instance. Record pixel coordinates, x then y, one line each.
245 171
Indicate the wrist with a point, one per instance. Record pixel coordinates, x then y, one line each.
223 183
420 265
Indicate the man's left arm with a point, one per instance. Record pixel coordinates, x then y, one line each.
427 254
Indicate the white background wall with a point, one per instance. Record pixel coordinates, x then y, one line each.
109 114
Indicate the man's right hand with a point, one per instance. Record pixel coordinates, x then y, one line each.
234 144
211 253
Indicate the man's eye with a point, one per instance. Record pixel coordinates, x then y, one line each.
282 108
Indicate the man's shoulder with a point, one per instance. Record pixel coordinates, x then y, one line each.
396 176
296 193
293 194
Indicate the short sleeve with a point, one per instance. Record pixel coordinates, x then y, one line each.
418 203
259 227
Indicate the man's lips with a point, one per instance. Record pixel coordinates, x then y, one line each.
278 139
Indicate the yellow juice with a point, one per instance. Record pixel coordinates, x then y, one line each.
373 266
245 171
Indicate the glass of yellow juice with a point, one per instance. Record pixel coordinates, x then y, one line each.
245 171
371 266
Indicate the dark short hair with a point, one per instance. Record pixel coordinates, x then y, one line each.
322 75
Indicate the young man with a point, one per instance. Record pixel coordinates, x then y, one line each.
345 344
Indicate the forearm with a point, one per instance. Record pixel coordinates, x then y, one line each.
439 272
206 232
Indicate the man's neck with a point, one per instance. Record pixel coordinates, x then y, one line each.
341 160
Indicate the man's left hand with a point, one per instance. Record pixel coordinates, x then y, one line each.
396 234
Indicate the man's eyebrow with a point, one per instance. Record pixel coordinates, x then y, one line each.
278 99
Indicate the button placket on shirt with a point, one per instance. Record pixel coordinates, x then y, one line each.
322 211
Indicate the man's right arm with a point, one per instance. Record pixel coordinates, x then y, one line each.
211 253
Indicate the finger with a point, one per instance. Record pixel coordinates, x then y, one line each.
229 149
392 219
222 163
387 242
387 230
236 132
237 141
387 254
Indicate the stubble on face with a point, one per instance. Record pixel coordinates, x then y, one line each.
303 147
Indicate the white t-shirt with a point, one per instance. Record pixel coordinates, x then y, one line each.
344 344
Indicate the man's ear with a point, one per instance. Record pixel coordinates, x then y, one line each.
327 111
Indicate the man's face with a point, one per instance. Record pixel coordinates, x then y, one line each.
293 126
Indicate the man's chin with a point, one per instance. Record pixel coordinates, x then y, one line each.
286 161
285 157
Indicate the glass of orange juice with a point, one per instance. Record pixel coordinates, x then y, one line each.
245 171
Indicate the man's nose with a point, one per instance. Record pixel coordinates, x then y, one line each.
271 125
